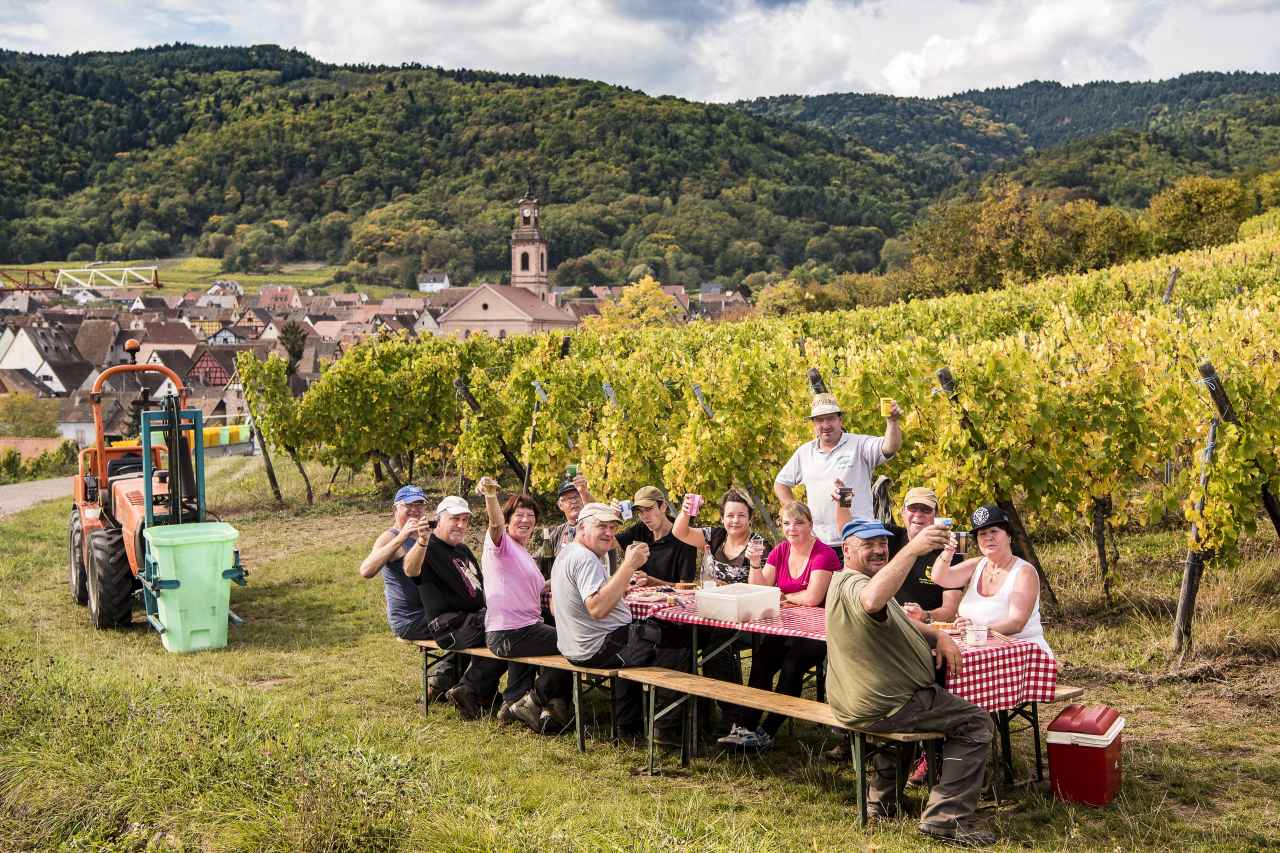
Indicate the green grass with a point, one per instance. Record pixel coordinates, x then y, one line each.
178 275
303 734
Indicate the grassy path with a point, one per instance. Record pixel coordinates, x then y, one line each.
303 733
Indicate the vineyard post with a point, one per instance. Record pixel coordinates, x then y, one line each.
1168 288
746 480
1020 537
1218 392
1194 567
266 459
540 397
460 385
1101 511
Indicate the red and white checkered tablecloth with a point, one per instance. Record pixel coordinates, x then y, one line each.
807 622
639 609
1000 675
1005 673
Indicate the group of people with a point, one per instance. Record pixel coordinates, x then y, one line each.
883 586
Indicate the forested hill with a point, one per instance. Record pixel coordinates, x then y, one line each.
260 155
1081 133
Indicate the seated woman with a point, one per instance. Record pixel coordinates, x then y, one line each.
513 621
730 546
1002 591
801 567
732 552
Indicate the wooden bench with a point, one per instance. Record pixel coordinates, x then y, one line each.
585 679
689 686
1029 712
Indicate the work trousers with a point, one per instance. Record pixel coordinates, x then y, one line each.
967 730
789 658
530 641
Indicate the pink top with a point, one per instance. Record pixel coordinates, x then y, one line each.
512 585
822 558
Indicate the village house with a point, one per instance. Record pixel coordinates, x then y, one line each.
48 353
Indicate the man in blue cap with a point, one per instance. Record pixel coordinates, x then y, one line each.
405 614
880 676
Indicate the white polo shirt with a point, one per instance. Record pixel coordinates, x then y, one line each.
851 461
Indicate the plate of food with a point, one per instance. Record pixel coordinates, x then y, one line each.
685 585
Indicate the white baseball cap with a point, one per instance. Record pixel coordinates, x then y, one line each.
452 505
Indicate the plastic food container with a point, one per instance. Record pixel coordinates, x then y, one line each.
739 602
1084 754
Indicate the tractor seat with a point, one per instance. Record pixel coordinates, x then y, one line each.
124 465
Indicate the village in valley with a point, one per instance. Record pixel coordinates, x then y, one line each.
54 342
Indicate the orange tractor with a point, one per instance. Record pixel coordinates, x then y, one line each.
134 499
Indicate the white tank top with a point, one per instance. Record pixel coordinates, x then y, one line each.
989 609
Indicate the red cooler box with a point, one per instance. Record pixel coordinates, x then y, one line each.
1084 754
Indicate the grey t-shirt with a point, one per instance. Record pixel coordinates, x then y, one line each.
576 576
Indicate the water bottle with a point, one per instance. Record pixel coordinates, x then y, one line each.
709 571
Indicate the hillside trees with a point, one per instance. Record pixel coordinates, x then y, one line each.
1197 212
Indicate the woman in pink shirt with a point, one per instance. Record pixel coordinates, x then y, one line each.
513 619
800 566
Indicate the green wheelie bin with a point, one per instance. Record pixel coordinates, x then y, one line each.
192 566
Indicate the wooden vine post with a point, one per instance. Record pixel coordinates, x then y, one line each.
1021 540
1194 567
1218 393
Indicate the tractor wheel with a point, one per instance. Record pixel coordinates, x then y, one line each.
77 577
110 581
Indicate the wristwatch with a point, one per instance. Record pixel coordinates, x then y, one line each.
928 617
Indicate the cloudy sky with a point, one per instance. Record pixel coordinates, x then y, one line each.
704 49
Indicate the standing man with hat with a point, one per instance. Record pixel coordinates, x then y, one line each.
405 615
836 455
570 498
670 559
448 577
899 692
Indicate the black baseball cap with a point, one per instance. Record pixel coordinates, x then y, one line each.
989 516
565 487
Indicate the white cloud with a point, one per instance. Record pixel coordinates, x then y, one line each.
708 49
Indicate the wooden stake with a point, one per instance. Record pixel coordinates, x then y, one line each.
1218 392
1194 568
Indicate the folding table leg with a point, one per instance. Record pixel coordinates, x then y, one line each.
1005 746
577 713
1035 734
692 713
860 764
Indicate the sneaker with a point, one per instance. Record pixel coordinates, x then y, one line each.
465 700
919 773
557 715
958 835
527 710
840 753
734 737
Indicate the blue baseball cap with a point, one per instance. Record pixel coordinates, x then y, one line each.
865 528
409 494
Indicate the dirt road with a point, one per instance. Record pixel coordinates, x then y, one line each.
19 496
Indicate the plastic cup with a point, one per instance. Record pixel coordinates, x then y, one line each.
695 504
846 496
975 634
571 471
625 510
945 522
962 541
886 407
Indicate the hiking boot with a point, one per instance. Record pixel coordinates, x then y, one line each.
504 714
527 710
557 716
466 701
840 753
881 813
958 835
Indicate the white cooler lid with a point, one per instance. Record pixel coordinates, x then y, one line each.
1079 739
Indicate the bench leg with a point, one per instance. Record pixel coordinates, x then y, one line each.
613 709
651 695
426 672
900 753
860 765
577 713
933 766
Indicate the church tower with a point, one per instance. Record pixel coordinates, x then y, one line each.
529 251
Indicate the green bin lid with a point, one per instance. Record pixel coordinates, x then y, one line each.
190 534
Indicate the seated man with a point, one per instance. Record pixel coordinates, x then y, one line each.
880 676
593 623
448 577
670 560
405 615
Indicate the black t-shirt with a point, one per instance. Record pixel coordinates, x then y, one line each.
918 586
669 559
450 579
